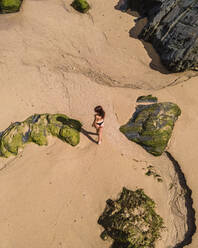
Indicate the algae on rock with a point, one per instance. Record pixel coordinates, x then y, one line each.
152 172
148 98
151 126
80 5
69 135
38 131
35 129
10 6
131 221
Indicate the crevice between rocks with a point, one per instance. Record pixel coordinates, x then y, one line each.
188 203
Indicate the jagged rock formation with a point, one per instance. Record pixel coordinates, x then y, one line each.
36 129
172 28
131 221
151 126
10 6
80 5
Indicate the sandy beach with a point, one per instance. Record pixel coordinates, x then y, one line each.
56 60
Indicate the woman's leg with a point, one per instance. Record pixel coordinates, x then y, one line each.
96 127
99 135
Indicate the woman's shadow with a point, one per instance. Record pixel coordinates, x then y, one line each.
87 134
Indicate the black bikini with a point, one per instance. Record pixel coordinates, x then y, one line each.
100 123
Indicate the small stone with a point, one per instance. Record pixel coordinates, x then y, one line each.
80 5
148 98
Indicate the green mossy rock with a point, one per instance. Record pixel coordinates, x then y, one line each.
57 121
10 6
39 131
70 135
131 221
13 137
35 129
3 151
80 5
148 98
151 126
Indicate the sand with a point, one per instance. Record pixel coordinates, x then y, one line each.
55 60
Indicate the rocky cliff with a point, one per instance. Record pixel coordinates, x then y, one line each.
172 28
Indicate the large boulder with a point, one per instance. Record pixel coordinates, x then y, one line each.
131 221
36 129
151 126
10 6
172 28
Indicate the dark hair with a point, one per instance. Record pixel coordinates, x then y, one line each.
100 111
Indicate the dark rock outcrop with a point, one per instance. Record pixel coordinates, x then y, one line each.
151 126
172 29
36 129
10 6
131 221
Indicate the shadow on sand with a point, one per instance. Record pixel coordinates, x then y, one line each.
87 134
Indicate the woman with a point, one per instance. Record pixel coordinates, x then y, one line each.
99 122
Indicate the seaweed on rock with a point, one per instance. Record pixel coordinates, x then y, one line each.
80 5
10 6
151 126
35 129
131 221
148 98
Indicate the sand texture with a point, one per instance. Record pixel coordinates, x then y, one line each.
56 60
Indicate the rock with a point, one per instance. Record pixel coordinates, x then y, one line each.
12 139
148 98
10 6
36 129
69 135
131 221
80 5
151 126
172 29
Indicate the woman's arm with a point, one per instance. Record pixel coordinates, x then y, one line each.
94 122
